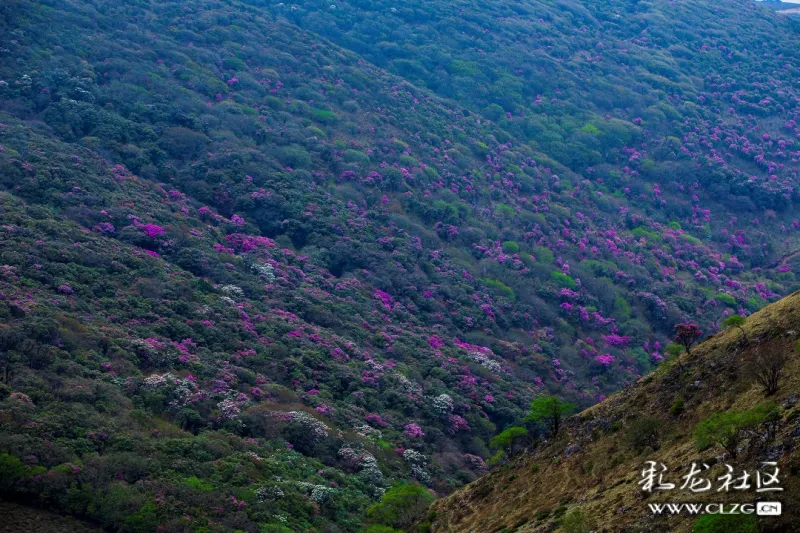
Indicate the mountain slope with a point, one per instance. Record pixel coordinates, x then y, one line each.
593 83
253 279
593 467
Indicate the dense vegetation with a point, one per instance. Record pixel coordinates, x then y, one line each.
260 262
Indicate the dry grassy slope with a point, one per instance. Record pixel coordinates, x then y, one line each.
591 467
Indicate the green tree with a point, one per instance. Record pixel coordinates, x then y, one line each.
549 410
401 506
505 439
736 321
728 429
11 469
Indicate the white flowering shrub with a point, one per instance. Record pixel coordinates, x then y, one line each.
418 465
232 291
413 457
443 404
317 428
421 474
370 471
158 380
409 386
364 462
228 409
368 432
265 270
155 352
322 494
349 456
319 493
269 493
182 392
486 362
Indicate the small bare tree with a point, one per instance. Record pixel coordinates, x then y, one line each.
766 369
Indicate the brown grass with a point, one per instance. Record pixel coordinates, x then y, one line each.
602 477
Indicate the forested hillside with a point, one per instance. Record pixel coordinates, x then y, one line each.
261 261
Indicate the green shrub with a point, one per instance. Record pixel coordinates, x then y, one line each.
504 210
11 469
725 298
496 459
401 506
577 521
549 410
544 254
510 247
563 280
717 523
644 432
355 156
677 407
500 288
649 235
198 484
142 521
381 529
726 429
323 115
691 240
621 308
506 438
294 156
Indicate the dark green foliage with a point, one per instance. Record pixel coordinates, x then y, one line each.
677 407
11 470
510 247
549 411
736 321
500 288
563 280
716 523
727 429
644 433
577 521
506 438
400 506
382 529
